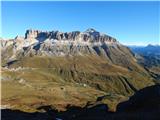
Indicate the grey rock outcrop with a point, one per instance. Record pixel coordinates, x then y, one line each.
89 35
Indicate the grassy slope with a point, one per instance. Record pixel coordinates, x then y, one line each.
73 80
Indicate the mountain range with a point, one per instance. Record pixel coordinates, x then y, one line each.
69 68
149 58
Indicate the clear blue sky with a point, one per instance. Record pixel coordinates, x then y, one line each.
130 22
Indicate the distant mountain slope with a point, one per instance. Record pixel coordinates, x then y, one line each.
147 50
149 57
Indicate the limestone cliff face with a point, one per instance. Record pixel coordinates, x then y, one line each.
90 35
55 43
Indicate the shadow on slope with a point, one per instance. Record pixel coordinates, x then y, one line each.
147 99
8 114
144 105
72 113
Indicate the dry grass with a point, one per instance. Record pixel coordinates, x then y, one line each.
60 81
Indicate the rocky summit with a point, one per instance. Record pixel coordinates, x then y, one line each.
59 43
90 35
62 69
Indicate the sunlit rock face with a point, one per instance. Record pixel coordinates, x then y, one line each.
90 35
48 41
55 43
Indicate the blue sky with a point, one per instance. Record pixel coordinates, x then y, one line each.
130 22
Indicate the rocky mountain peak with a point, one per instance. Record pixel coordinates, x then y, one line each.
55 43
91 30
90 35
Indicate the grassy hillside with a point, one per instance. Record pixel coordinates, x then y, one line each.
31 82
